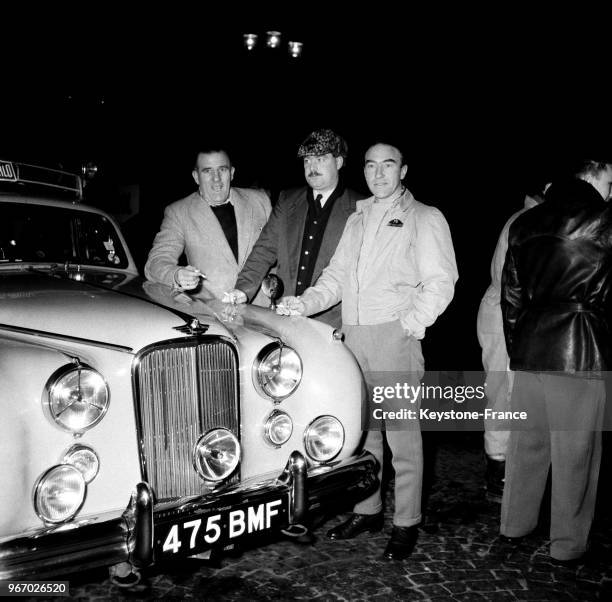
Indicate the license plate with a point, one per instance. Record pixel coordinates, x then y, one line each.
7 171
209 530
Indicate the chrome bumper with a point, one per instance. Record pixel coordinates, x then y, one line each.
129 536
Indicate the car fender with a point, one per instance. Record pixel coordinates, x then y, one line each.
36 443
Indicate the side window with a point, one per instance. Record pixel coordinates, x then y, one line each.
98 242
28 233
49 234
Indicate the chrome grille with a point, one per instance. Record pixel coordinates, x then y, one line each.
183 389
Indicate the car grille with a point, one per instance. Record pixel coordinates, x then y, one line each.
183 389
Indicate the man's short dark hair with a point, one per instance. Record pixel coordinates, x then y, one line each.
588 167
389 142
585 154
207 150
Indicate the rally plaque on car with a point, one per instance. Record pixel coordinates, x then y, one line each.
217 529
7 172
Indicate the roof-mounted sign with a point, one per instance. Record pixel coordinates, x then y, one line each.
7 172
24 174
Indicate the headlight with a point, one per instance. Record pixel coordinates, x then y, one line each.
76 398
279 427
216 454
278 371
85 459
59 493
324 438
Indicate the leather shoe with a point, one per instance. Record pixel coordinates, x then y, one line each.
358 523
401 544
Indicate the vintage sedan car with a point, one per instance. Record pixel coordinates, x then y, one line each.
141 423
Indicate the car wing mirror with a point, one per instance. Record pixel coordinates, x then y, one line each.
272 287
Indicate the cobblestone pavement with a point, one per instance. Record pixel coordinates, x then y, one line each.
462 560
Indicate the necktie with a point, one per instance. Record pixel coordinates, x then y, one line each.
318 202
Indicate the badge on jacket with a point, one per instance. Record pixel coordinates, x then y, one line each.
396 223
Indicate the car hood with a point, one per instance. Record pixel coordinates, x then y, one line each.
236 319
96 307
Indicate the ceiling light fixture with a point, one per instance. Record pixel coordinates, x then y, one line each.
274 39
250 40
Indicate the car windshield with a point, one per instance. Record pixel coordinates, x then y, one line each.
47 234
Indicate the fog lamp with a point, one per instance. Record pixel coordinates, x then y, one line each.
216 454
279 427
59 493
324 438
85 459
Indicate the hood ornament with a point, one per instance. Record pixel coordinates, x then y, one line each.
193 326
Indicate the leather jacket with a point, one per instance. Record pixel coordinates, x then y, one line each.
556 283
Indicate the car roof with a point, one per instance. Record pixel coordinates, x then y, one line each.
49 202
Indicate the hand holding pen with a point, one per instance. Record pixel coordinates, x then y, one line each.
188 278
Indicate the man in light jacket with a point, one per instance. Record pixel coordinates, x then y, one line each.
216 227
495 360
394 271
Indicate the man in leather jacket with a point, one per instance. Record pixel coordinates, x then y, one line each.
556 286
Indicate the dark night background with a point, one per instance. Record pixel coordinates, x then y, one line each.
484 102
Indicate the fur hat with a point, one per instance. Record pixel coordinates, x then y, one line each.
321 142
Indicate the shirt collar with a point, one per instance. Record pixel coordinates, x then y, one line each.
334 193
324 195
403 201
230 199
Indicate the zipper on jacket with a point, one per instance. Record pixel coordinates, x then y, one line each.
357 266
361 249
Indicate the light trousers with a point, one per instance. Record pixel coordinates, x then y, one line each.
498 381
565 416
385 353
